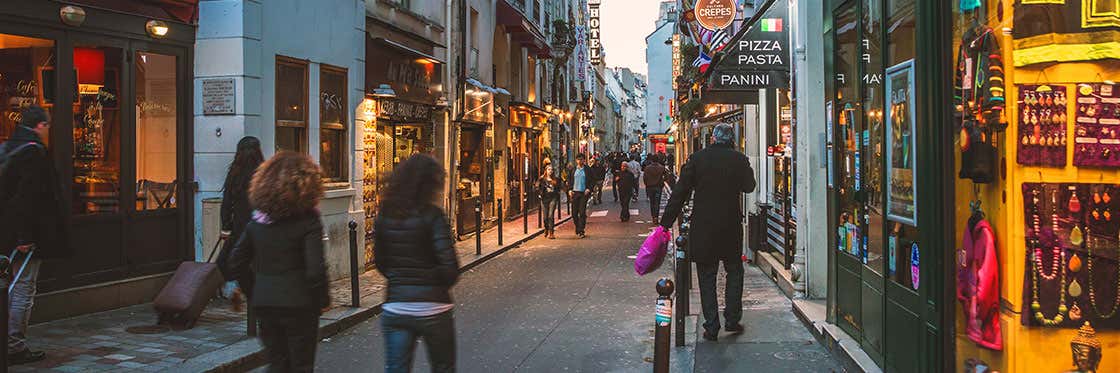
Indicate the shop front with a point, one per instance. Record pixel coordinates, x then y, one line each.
403 89
120 138
474 165
527 144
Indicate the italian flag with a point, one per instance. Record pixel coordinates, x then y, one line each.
772 25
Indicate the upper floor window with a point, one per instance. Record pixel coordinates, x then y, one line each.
291 104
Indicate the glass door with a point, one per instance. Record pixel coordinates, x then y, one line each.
847 193
871 144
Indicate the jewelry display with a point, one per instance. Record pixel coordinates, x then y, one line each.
1097 126
1089 244
1042 125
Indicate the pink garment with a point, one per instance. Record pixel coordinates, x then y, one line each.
978 286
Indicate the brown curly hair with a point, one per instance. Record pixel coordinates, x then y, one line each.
289 184
414 184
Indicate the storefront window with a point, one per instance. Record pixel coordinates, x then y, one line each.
901 186
97 130
849 184
26 78
291 104
156 136
332 123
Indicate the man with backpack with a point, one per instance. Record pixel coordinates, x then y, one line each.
33 215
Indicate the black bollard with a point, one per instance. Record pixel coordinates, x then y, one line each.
663 319
525 216
501 217
355 296
682 291
5 272
478 227
540 215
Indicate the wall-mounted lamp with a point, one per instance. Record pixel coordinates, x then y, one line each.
72 15
384 91
157 28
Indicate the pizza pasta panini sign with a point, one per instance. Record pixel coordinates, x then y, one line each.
715 14
593 47
758 57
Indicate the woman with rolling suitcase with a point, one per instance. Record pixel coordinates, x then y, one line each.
235 211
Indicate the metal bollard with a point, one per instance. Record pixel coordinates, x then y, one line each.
355 296
540 215
662 320
501 217
525 215
682 291
478 227
5 272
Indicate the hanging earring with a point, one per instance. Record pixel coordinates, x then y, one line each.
1097 197
1106 198
1074 203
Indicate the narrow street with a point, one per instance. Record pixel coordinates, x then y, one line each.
576 305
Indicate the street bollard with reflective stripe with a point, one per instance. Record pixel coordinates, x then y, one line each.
662 320
355 296
478 227
501 217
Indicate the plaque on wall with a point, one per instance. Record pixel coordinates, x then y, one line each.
218 96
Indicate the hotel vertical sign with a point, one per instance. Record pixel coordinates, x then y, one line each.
593 46
759 57
676 58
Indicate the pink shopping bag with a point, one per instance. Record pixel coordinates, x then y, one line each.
653 251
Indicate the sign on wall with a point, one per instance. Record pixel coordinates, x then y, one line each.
715 14
218 96
758 57
676 59
593 46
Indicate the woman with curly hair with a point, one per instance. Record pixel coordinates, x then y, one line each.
284 246
415 252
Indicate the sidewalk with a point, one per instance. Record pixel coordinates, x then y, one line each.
124 340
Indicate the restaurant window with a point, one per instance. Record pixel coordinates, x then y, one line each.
26 78
332 123
291 104
97 130
156 126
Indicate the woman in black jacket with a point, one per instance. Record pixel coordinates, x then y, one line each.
414 251
284 246
549 188
235 211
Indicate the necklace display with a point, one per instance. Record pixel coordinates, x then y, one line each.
1057 267
1089 243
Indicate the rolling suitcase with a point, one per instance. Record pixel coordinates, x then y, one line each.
190 289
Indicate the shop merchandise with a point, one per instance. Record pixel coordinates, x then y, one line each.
1097 140
978 284
1073 248
1085 349
1042 125
979 102
1061 31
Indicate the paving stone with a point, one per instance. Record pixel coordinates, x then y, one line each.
150 350
119 357
131 365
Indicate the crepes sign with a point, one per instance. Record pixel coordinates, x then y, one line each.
715 14
758 57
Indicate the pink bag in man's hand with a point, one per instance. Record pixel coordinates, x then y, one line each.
653 251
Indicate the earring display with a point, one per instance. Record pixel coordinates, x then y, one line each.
1042 125
1073 250
1097 140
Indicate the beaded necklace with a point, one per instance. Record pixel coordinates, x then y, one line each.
1092 292
1058 262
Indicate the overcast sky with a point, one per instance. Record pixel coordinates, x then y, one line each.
625 25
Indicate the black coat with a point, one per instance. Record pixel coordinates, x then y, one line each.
587 172
288 268
718 175
235 215
32 207
626 183
417 255
548 188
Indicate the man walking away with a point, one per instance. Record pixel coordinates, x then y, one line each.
33 217
598 175
718 175
655 177
578 192
626 181
636 169
615 165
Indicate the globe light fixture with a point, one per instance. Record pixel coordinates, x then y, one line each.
157 28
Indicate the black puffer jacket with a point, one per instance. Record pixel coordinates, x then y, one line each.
32 210
285 259
417 255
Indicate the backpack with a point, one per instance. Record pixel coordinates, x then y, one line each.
6 155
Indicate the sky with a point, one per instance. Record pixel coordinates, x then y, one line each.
625 25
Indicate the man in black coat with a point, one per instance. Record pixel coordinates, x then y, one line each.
33 220
626 184
718 175
579 190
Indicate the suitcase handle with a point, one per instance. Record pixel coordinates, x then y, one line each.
215 249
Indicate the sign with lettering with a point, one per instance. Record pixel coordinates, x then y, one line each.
715 14
218 96
758 57
593 47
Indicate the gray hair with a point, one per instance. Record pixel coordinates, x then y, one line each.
723 134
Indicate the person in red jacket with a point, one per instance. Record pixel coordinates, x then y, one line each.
978 285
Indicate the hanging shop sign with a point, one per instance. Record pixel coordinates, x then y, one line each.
676 59
758 57
593 46
715 14
403 111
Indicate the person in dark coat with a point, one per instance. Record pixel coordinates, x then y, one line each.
549 188
235 211
599 175
33 220
579 189
627 182
716 178
655 176
416 254
284 246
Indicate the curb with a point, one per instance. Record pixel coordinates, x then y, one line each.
248 354
845 349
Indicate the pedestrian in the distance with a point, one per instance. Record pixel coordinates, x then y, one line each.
719 175
33 220
579 184
626 181
416 254
655 176
635 168
549 188
283 243
599 175
236 211
616 167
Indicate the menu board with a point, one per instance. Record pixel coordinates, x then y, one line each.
1042 125
1098 126
901 201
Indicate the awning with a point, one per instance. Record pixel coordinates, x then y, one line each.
407 49
184 11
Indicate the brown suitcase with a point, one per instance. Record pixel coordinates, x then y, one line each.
190 289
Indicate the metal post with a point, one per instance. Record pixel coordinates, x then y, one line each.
5 272
355 296
540 215
682 290
478 227
525 215
501 217
662 320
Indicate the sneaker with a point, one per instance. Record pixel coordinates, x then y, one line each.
710 336
26 357
237 300
582 235
734 328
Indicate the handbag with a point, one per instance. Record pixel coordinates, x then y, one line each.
652 253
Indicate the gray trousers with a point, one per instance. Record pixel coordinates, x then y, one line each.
22 298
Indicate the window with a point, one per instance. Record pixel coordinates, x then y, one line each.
97 130
332 122
156 126
291 104
26 78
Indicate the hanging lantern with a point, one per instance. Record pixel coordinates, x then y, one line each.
72 15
